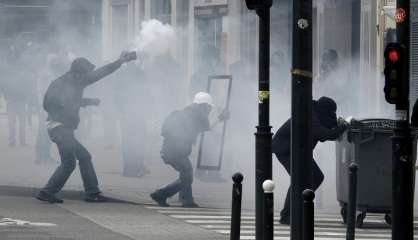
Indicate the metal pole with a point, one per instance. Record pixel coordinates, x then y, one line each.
308 214
263 161
301 143
268 187
352 202
355 45
236 206
402 160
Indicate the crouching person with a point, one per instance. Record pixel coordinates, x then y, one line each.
62 101
180 131
325 127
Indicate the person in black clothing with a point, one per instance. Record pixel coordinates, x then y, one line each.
180 131
324 128
62 101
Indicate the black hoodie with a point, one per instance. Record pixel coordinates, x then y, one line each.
324 127
64 96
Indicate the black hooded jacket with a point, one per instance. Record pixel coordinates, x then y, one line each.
181 129
324 127
64 96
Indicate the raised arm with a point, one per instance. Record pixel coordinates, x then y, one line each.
102 72
89 102
109 68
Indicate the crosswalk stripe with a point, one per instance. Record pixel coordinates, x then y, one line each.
276 223
205 212
318 219
327 238
318 233
225 213
328 226
281 227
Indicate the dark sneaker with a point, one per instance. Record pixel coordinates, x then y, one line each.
95 198
46 197
190 205
284 220
160 200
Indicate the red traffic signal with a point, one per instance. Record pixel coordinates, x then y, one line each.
393 55
396 88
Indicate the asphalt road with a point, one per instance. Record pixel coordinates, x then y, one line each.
22 217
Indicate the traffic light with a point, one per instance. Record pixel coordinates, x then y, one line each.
258 4
396 81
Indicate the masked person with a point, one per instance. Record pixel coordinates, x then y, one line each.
62 101
180 131
325 127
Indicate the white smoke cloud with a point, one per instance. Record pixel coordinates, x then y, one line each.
155 38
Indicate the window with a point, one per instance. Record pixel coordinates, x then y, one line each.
141 10
161 10
120 27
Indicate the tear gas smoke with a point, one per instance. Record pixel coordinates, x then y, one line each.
155 38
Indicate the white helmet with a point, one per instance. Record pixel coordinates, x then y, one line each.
203 97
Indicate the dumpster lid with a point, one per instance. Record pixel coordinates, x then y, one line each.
374 123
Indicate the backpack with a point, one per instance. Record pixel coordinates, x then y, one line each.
172 124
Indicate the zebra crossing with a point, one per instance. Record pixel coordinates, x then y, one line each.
327 226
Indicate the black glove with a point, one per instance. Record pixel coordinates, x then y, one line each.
225 115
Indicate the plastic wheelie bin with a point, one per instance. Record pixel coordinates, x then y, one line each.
368 143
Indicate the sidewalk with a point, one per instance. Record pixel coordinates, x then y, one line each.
23 217
17 168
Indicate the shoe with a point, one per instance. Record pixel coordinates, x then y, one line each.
95 198
190 205
284 220
160 200
46 197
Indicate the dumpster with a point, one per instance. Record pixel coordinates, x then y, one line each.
368 143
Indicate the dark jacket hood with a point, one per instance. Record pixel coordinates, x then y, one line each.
81 66
325 108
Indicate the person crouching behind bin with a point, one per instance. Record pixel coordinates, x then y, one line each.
180 131
62 102
325 127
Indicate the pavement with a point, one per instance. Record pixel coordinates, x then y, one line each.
131 214
18 168
22 217
125 217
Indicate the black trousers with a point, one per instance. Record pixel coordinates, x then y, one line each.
70 150
317 179
184 182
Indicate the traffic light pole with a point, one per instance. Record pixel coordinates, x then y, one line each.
402 159
263 136
301 143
